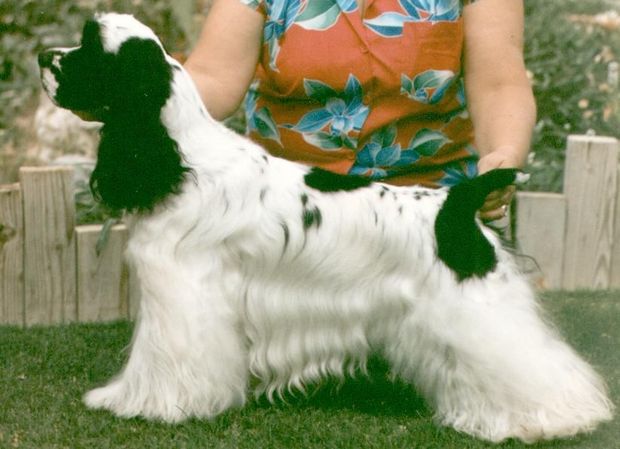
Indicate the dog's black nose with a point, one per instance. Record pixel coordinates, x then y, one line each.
46 58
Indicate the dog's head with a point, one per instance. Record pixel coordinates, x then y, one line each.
120 64
121 75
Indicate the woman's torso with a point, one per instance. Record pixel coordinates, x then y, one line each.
376 93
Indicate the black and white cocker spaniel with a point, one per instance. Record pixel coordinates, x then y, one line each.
255 267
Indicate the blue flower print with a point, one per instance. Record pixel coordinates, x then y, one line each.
321 15
432 10
281 16
381 155
259 120
460 93
342 116
391 24
428 87
427 142
460 171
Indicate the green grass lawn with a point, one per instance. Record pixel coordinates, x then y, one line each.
44 372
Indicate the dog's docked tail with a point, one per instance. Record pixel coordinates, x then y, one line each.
461 245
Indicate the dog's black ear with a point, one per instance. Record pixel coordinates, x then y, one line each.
138 163
142 77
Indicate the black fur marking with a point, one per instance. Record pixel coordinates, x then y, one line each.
262 194
419 194
327 181
138 164
304 199
311 217
461 245
383 191
287 235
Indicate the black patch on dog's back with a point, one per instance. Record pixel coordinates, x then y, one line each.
461 245
327 181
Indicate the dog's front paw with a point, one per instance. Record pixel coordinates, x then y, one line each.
127 398
128 403
112 397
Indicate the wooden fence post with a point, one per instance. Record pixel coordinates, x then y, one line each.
11 256
590 186
615 255
49 245
102 280
541 228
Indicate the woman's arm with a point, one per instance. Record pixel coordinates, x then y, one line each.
224 60
499 94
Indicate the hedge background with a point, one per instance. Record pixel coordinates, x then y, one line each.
569 46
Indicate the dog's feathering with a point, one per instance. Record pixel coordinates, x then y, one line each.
252 266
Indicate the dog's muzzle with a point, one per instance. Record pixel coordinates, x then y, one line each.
49 64
50 59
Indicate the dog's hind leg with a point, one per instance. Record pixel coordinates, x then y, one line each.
187 356
490 366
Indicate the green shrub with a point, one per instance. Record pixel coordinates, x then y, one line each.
569 64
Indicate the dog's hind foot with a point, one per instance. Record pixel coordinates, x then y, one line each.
529 427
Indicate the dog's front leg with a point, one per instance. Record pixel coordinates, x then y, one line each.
187 357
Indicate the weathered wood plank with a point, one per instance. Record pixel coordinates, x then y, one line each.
615 254
102 279
541 228
11 255
590 186
49 245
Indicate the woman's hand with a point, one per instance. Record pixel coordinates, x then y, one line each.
497 203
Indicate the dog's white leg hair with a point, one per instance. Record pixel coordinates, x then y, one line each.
187 356
489 364
292 349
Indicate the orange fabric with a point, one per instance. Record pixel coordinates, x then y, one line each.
394 106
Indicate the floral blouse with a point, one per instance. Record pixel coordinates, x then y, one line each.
378 93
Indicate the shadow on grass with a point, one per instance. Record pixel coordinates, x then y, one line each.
373 394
